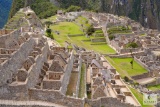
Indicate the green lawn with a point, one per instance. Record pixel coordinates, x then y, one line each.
66 28
154 88
123 66
139 97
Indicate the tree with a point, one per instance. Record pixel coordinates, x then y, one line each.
111 37
49 33
132 45
126 79
48 23
90 30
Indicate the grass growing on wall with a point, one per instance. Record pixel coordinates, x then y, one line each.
82 82
72 84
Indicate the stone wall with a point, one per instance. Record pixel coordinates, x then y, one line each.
98 35
8 37
108 102
126 55
45 95
55 97
67 74
141 63
74 35
79 75
122 51
98 40
156 82
4 32
4 105
12 65
144 75
10 92
114 102
36 68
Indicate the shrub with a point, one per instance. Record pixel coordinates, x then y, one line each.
111 37
73 8
90 30
132 45
48 31
126 79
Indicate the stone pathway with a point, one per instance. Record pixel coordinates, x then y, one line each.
29 103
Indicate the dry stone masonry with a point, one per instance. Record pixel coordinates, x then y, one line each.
33 71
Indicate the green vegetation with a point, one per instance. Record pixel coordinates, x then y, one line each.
139 97
143 34
124 67
119 29
90 30
136 12
111 37
52 18
72 84
154 88
98 31
13 22
48 23
126 79
65 28
89 95
82 82
43 8
49 33
73 8
132 45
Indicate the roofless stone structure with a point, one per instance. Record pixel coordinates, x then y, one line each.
35 73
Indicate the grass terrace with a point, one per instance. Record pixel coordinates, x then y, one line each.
119 30
52 18
139 97
13 22
154 88
65 28
123 66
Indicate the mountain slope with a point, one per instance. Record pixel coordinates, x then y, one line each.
144 11
43 8
147 12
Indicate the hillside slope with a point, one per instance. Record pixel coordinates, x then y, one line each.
144 11
43 8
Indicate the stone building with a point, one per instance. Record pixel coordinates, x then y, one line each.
33 70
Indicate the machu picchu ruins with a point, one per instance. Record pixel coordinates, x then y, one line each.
77 68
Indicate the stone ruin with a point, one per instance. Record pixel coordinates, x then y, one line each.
103 81
33 71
